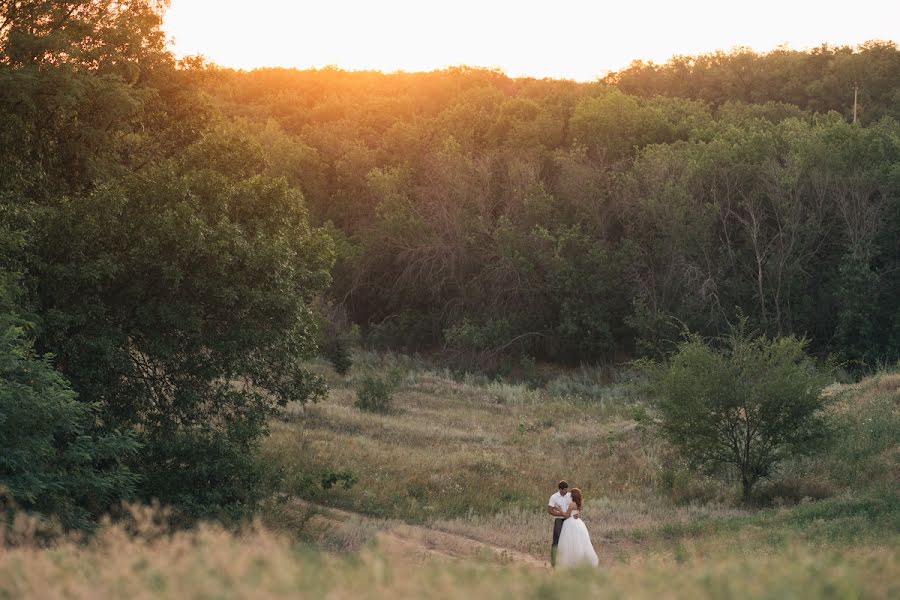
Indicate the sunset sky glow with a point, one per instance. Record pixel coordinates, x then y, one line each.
567 38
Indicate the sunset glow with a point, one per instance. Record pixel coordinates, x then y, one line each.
570 38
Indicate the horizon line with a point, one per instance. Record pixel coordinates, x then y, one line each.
736 49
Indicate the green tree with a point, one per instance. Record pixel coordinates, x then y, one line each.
747 406
170 276
855 331
54 458
182 302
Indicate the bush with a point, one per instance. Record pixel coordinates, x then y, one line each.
336 335
746 407
792 491
337 351
375 393
472 346
408 331
205 475
316 484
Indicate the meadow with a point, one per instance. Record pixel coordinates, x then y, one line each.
212 563
443 496
447 494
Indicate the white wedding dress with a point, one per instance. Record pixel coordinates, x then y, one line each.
575 546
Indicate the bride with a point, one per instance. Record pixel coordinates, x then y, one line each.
574 540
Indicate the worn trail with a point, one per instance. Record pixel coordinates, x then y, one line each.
418 543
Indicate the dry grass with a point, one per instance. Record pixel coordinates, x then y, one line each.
616 525
479 459
452 449
473 463
210 562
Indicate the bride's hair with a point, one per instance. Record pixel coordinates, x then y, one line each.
576 497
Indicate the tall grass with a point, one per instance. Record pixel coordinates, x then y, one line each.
476 460
452 447
866 441
209 562
457 446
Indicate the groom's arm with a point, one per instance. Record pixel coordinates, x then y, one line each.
554 511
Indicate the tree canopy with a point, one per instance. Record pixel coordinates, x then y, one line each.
581 222
170 276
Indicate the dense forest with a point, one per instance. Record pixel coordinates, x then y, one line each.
174 234
573 222
820 80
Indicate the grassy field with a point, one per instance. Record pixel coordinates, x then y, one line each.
448 499
212 563
480 459
451 448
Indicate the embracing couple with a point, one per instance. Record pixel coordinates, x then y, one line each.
571 540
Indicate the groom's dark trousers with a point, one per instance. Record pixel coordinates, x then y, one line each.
557 528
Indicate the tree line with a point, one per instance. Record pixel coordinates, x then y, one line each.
819 80
484 216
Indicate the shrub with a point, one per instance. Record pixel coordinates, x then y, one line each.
206 475
792 491
746 407
336 335
337 351
375 393
315 484
479 346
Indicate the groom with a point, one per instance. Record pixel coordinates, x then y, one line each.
559 504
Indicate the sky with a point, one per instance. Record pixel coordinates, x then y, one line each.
572 39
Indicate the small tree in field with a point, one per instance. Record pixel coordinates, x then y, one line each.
749 405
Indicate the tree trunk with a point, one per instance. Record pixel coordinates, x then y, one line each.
747 485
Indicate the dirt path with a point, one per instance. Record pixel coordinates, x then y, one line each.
418 543
423 542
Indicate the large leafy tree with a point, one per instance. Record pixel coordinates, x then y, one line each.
170 275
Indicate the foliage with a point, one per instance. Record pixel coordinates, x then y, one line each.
53 457
749 406
338 352
375 392
175 224
318 485
822 79
170 274
493 217
206 475
330 478
336 337
855 330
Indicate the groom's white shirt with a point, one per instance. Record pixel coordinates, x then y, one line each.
559 501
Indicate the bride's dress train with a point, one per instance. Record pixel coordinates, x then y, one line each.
575 546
